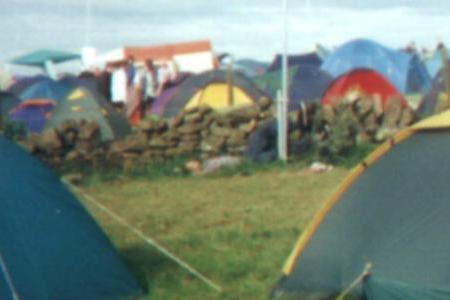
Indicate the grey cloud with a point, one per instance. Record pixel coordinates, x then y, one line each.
246 28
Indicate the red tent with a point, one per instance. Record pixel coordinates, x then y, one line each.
365 82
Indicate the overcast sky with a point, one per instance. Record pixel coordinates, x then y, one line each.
245 28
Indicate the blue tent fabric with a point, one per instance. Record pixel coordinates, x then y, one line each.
308 84
22 83
293 60
49 245
74 82
405 71
434 63
48 89
430 102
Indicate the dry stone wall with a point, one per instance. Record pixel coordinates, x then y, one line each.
202 132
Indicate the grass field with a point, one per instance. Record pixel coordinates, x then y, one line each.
236 230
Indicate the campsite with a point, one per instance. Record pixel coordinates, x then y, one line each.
168 150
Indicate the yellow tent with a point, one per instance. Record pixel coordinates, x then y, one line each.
218 89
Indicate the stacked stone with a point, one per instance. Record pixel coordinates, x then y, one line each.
359 120
70 141
196 131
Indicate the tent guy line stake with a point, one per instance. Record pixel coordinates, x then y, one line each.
8 278
148 240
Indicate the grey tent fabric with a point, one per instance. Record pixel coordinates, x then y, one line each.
376 288
394 215
432 102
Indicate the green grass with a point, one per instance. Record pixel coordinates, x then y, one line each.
236 229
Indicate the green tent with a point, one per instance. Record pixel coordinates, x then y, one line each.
392 214
271 81
82 103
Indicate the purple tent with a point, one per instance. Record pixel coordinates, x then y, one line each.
162 100
159 106
32 113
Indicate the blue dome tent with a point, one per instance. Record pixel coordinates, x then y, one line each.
47 89
404 70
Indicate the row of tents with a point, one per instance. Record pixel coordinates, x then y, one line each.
48 103
361 65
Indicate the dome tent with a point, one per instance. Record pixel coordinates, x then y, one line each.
395 221
211 88
50 247
84 104
22 83
365 82
45 89
403 70
32 113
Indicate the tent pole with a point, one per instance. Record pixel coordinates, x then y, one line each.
366 272
14 294
141 235
446 68
283 100
49 67
230 95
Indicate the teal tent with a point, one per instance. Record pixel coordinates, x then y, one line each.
45 59
383 234
50 247
40 57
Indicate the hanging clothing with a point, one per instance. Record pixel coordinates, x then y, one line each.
119 86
